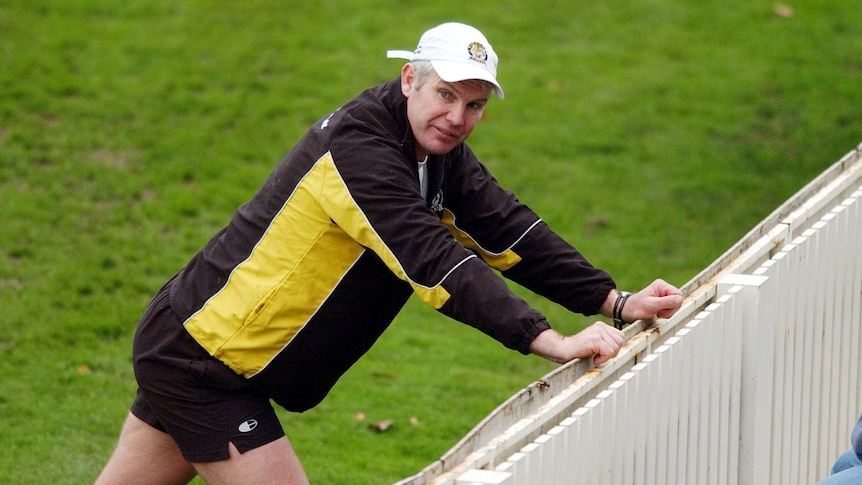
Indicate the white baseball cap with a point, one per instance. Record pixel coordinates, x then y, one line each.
458 52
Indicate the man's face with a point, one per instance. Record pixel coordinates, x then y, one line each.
441 114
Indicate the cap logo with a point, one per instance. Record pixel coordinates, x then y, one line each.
477 52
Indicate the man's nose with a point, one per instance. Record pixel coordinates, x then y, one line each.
456 115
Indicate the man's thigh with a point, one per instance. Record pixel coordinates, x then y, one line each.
273 463
146 456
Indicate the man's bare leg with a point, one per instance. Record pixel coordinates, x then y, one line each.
145 455
272 463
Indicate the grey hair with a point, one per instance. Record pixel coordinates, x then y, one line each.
423 70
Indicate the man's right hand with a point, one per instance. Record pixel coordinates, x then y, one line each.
599 340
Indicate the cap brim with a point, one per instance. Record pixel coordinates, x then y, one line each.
399 54
452 72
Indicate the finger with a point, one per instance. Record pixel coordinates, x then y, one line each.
617 342
610 345
607 351
667 313
669 305
661 287
619 335
604 355
661 306
615 338
606 331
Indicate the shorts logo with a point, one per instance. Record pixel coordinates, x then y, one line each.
248 426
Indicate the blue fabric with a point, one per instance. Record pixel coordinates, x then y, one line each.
847 469
856 439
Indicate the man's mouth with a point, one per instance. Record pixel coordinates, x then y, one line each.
446 133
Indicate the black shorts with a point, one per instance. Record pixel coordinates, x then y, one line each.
199 401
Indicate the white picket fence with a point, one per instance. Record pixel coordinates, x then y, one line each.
756 380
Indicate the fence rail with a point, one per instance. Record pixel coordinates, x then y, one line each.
756 380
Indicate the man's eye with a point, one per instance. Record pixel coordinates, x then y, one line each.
444 94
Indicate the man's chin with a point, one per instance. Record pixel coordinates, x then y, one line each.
442 149
438 147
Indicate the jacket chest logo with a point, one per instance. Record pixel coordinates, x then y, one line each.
437 202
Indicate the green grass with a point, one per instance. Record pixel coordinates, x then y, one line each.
652 134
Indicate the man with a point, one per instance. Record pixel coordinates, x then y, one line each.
379 200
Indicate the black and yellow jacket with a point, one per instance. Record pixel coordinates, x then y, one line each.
313 269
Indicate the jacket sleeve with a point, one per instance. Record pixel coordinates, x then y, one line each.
383 210
513 239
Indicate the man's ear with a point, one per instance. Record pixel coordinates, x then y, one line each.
408 77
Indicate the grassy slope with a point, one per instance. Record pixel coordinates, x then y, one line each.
652 134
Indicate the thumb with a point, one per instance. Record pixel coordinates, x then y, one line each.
666 306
